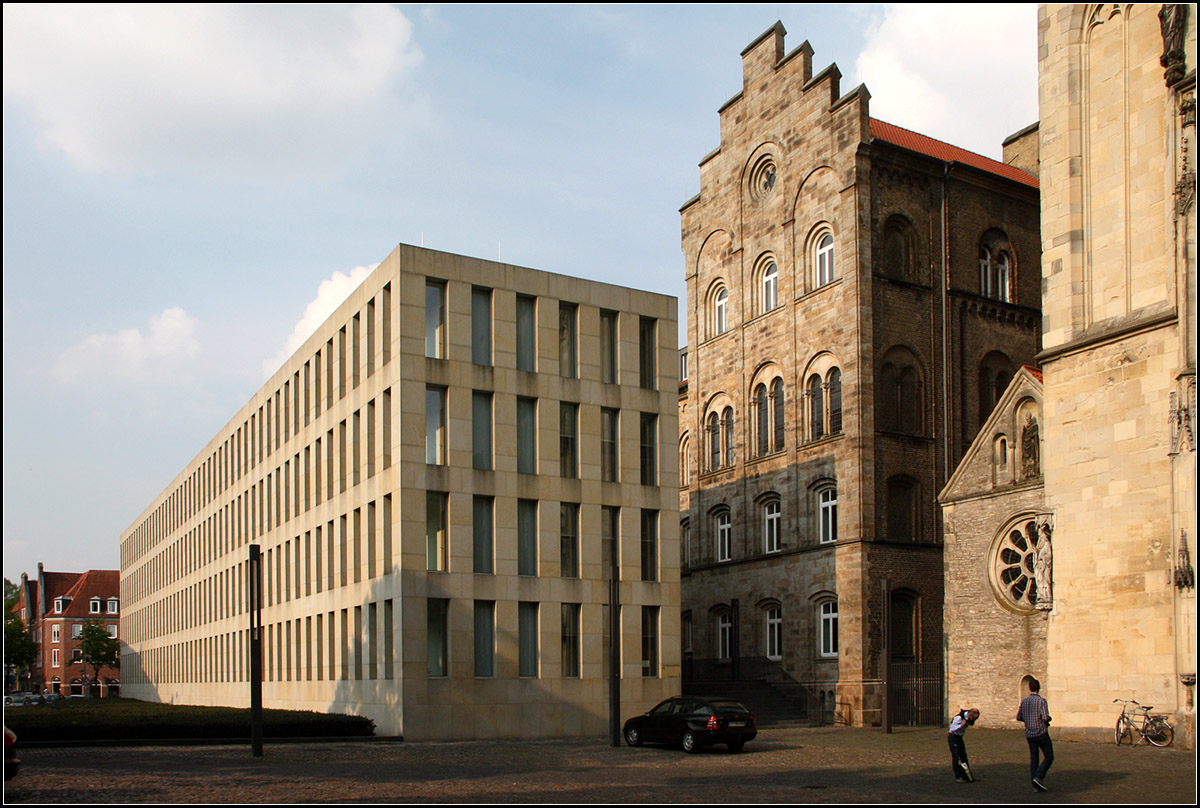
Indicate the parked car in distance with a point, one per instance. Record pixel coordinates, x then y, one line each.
50 698
693 722
14 700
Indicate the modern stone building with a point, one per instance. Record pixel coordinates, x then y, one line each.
437 479
55 608
1114 513
859 296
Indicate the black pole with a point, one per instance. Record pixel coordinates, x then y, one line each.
885 655
254 573
614 642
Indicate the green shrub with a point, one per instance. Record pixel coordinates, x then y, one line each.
129 719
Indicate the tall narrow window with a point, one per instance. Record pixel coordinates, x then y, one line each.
649 545
481 325
714 441
568 439
527 639
435 531
762 420
649 641
527 435
825 259
771 528
485 638
481 430
527 537
778 409
727 434
774 632
648 353
816 403
721 312
649 448
435 425
435 320
829 628
437 636
526 333
828 515
610 538
568 518
570 640
483 533
724 536
608 347
609 442
770 287
724 635
834 387
985 272
567 354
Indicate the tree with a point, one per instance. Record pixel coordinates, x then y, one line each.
20 651
98 649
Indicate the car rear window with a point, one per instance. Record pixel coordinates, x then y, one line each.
729 706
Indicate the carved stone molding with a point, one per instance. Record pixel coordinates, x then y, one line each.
1182 416
1172 19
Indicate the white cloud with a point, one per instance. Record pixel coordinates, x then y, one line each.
330 294
131 354
965 74
231 88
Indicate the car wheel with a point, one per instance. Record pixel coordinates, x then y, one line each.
689 743
632 736
736 746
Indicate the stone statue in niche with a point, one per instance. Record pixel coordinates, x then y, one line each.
1172 19
1042 567
1030 465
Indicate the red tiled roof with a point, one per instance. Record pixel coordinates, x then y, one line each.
56 585
1037 372
907 139
103 584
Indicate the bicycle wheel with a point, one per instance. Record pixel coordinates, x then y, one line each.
1159 732
1122 733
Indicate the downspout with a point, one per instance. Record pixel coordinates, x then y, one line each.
947 418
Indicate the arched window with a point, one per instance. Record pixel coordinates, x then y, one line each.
827 615
834 387
901 509
773 632
772 526
1003 268
777 404
995 373
714 441
685 542
900 394
824 259
996 266
827 514
905 626
770 287
724 635
985 272
898 253
685 463
721 312
723 535
762 420
727 434
816 405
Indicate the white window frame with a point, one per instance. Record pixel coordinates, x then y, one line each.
724 536
828 628
114 605
76 631
827 499
773 618
724 636
770 287
55 658
94 606
824 259
56 633
721 312
772 525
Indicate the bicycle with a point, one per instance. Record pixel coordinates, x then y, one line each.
1153 728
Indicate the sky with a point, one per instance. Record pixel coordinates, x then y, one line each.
190 190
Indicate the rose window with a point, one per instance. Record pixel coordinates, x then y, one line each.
1013 565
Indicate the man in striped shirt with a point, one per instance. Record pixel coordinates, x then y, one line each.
1035 714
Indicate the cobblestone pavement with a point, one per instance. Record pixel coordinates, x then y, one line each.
781 765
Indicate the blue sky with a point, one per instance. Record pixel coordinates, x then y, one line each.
188 189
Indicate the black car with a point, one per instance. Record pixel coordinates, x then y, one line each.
693 722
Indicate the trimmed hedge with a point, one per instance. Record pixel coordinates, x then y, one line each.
120 719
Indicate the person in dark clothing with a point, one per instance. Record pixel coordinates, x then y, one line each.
1035 714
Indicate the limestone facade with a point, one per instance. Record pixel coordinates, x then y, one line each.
996 523
437 480
1118 151
858 297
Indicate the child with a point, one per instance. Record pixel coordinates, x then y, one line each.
958 747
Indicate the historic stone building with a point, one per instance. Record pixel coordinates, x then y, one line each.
438 480
859 296
1106 533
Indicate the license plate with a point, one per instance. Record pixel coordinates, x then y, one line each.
737 723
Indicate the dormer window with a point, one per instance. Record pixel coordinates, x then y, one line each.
113 605
58 605
94 606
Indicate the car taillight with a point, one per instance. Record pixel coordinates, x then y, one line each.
712 722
